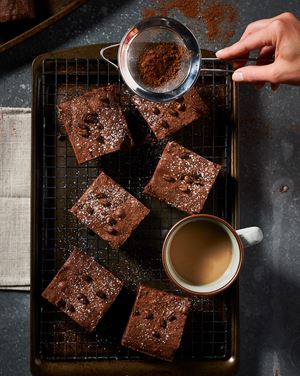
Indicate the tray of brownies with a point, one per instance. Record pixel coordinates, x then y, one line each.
112 173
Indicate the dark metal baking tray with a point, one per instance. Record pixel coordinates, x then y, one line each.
210 344
47 13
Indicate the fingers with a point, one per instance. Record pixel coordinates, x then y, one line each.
254 73
256 26
252 42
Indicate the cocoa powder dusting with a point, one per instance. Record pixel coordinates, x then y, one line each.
148 12
218 16
159 63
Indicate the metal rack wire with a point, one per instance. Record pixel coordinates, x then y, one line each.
208 332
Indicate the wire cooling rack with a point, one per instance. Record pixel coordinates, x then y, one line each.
208 333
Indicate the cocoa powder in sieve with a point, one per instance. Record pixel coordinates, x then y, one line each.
160 63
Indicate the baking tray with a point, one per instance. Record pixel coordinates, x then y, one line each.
210 345
47 13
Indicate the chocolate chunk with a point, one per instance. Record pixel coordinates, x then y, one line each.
199 182
184 155
149 315
164 124
168 178
172 317
70 307
100 139
110 221
120 213
101 295
136 313
87 278
163 323
104 203
84 133
156 111
100 195
92 118
105 100
90 210
61 304
181 107
83 299
183 188
173 113
82 126
111 230
188 179
156 334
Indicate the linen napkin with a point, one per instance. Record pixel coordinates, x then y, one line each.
15 161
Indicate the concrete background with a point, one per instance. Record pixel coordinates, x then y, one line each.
269 155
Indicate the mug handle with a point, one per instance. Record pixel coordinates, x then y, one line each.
250 236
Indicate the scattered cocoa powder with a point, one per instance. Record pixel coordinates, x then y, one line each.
148 12
159 63
219 16
216 15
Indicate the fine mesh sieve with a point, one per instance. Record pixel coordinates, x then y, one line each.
151 32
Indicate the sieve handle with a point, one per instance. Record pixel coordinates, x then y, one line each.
102 51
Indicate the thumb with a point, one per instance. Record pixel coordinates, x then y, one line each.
254 73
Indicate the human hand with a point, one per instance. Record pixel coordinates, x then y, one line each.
277 38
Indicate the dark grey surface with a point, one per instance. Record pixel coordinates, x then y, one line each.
269 155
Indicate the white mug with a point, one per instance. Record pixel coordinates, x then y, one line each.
239 240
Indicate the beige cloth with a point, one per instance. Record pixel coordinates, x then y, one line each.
15 159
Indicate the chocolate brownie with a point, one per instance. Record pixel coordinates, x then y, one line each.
83 289
167 118
95 123
182 178
109 210
16 10
156 323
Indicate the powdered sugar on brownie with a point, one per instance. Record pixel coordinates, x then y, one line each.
95 123
156 323
83 289
167 118
109 210
182 178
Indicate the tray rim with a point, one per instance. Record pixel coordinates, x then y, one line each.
120 367
42 25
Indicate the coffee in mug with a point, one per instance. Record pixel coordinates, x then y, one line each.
202 254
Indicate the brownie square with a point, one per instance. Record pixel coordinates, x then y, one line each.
167 118
16 10
83 289
156 323
95 123
182 178
109 210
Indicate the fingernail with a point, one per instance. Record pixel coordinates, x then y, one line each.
238 76
218 53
